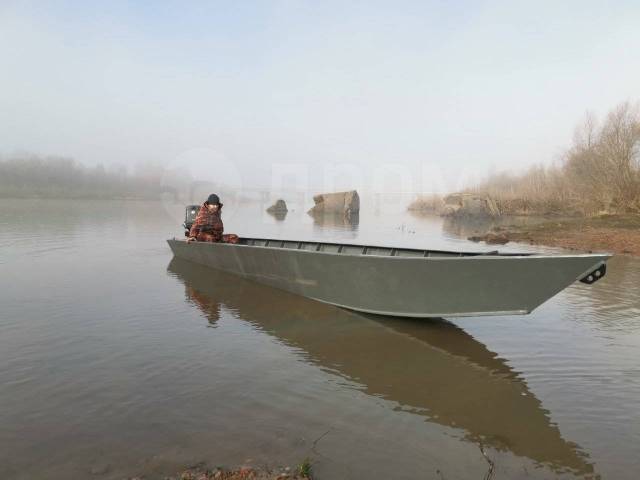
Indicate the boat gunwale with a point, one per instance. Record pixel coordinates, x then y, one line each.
487 313
450 254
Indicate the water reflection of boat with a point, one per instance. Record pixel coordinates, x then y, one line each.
431 368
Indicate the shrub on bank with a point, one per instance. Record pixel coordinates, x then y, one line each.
598 174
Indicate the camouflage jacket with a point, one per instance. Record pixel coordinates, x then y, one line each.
207 224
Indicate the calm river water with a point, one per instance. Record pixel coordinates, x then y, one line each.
116 361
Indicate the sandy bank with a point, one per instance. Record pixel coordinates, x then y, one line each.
615 234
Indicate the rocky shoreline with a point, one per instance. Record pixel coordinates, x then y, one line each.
608 233
202 472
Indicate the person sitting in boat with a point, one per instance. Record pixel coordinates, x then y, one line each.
208 226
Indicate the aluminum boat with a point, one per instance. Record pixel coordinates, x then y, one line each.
400 282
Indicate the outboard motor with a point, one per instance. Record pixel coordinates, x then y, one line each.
190 213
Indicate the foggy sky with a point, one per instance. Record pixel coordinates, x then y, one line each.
382 91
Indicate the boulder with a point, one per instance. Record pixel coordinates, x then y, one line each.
344 203
279 207
469 205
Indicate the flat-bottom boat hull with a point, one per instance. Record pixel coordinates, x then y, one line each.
447 286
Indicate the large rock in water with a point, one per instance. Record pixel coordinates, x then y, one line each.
279 207
469 205
344 203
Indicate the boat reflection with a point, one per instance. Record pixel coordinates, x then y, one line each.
431 368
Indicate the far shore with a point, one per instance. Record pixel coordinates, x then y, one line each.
87 197
612 233
618 234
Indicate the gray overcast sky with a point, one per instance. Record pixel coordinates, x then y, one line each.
453 87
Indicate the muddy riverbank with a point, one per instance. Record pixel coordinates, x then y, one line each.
203 472
615 234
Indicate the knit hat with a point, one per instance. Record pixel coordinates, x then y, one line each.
213 199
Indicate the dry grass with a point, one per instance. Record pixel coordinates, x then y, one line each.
600 173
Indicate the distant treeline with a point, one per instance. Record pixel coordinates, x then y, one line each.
599 173
28 176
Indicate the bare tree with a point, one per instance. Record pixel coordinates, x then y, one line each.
600 172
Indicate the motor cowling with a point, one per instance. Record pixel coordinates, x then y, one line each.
190 214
